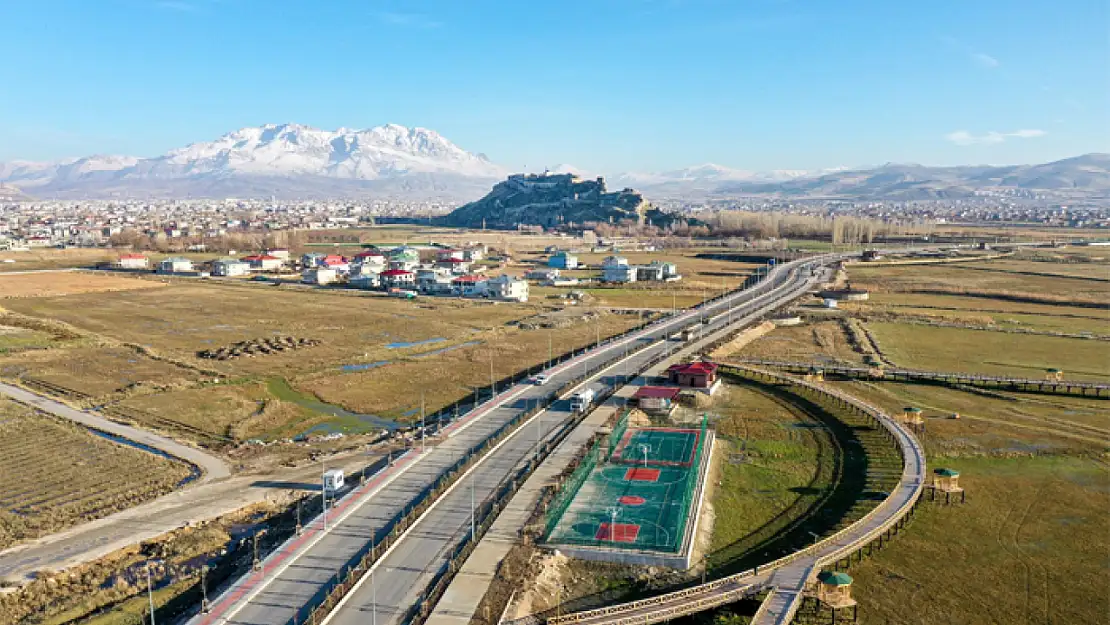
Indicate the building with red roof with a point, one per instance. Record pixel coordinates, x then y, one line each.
133 261
262 262
693 374
397 278
656 399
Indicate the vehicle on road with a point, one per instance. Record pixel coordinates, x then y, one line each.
540 379
333 481
580 401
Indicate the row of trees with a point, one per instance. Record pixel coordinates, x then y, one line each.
839 230
239 241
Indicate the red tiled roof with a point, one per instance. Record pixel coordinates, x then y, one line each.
268 257
694 367
660 392
396 272
334 258
251 259
132 257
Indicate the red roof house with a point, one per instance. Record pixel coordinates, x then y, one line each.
694 374
656 399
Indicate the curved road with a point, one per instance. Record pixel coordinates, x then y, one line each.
300 576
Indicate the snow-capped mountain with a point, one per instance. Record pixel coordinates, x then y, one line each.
285 159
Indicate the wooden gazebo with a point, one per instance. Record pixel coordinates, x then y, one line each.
1054 375
815 374
946 481
834 589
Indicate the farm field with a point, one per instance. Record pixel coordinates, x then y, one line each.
36 259
373 353
69 283
811 341
77 477
1032 539
991 353
983 279
978 311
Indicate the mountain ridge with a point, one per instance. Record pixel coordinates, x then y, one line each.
397 162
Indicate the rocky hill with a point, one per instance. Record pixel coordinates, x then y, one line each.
551 200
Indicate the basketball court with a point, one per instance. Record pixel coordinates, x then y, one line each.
639 497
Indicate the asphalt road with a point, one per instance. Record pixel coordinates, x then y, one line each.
400 577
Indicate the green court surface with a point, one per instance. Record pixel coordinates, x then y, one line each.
657 447
627 507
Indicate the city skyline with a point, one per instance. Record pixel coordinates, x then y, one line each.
622 85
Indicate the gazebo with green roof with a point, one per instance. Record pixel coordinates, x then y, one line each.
947 481
834 589
1053 374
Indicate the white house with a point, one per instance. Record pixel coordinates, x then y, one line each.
508 288
278 252
457 266
448 254
133 261
543 275
398 278
230 267
319 275
312 259
617 269
263 262
175 264
471 286
403 263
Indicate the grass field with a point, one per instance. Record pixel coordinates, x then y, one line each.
375 355
819 469
992 353
76 477
69 283
818 341
1032 540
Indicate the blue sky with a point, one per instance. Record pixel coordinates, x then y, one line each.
606 85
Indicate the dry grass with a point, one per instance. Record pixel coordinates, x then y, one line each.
820 340
55 258
991 353
76 477
69 283
95 371
1031 542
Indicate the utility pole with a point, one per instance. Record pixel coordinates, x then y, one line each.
324 493
204 589
150 593
492 384
373 598
550 353
423 425
473 533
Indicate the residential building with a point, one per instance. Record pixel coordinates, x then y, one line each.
457 266
133 261
398 278
563 260
230 267
450 254
338 263
319 275
508 288
175 264
693 374
279 252
312 259
649 273
474 253
263 262
543 275
470 286
365 280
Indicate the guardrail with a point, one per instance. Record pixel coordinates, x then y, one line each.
690 600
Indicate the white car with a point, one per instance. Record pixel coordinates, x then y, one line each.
540 379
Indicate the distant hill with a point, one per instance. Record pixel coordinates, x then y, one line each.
286 160
1086 176
554 199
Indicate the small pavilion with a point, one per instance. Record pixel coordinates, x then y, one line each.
815 374
834 589
946 481
1054 375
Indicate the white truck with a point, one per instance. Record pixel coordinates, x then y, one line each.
580 401
333 481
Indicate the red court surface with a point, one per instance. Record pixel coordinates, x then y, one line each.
618 533
632 500
642 475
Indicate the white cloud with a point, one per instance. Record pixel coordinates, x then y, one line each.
985 61
963 137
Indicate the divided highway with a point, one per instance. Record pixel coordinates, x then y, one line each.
280 594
